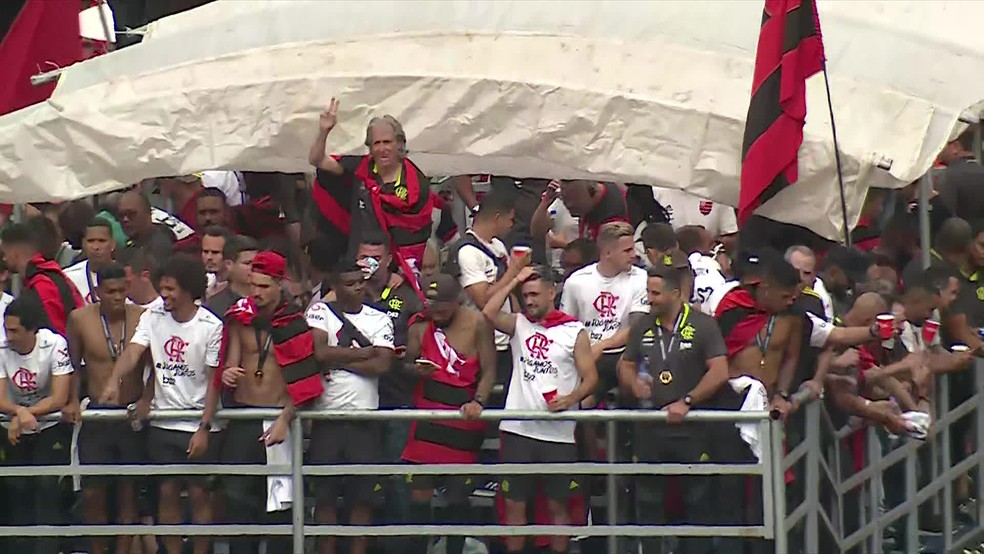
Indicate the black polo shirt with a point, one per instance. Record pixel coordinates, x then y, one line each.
610 207
808 302
697 340
396 385
970 298
961 188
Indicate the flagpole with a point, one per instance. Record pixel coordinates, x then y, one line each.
837 158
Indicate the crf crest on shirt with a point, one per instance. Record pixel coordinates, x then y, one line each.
606 303
602 303
537 345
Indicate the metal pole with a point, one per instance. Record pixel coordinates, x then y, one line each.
912 518
772 521
778 477
944 445
611 485
813 482
297 484
925 191
874 492
15 278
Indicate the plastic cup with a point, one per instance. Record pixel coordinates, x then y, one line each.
520 250
957 348
886 326
930 327
549 394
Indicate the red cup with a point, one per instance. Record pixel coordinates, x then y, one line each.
519 251
929 330
886 326
549 395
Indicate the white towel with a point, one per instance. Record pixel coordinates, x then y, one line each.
74 451
279 487
756 400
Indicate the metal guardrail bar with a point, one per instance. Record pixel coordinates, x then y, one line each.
581 468
769 467
647 416
192 530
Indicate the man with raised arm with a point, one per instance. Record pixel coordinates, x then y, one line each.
184 340
97 335
269 361
354 341
382 190
553 370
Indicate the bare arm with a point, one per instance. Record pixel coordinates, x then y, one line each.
585 363
463 186
212 396
905 365
505 323
627 373
481 293
377 364
850 336
75 353
486 361
6 406
940 361
956 325
621 336
234 346
316 155
712 381
128 360
540 223
60 385
790 357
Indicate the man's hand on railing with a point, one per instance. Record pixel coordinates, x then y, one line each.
780 406
142 411
27 420
676 411
72 412
199 443
277 433
471 410
14 432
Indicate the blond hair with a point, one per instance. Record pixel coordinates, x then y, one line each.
609 233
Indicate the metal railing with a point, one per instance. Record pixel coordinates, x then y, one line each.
820 516
769 468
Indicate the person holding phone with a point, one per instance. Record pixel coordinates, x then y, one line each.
454 356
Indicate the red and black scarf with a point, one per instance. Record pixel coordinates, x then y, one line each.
293 346
740 320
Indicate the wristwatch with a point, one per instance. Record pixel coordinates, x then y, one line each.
205 425
688 400
873 330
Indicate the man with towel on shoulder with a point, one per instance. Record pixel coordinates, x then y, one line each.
268 358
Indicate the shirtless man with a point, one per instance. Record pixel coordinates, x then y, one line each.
259 374
97 335
454 356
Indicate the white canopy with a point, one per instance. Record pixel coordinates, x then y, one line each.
644 92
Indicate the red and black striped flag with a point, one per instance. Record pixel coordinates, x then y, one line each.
789 51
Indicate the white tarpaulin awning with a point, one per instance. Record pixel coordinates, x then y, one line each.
644 92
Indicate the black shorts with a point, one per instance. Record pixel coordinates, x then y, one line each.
607 374
458 488
517 449
167 446
109 442
345 442
241 445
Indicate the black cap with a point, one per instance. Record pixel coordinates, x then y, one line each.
442 288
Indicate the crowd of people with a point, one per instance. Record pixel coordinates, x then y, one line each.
373 288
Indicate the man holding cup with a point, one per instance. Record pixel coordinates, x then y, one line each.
553 370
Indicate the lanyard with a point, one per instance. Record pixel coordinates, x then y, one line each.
264 351
114 349
681 320
92 287
764 344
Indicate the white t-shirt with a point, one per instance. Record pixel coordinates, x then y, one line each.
563 223
478 267
5 300
77 275
29 376
185 356
603 304
347 390
828 304
710 306
543 360
226 181
911 336
707 278
686 209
